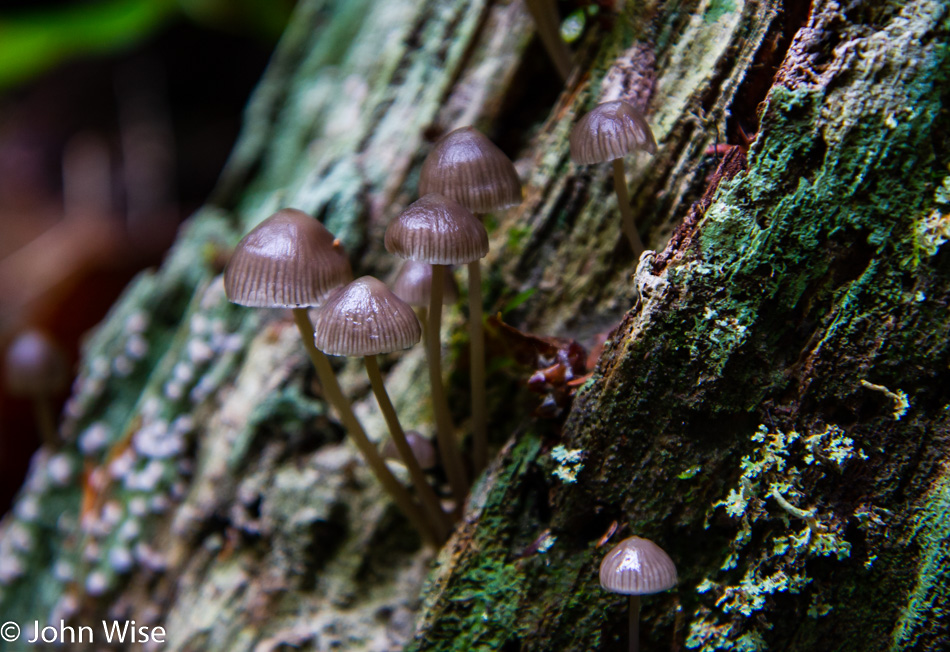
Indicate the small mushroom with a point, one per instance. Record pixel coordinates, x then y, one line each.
291 261
35 368
422 450
608 133
467 167
413 284
636 567
364 319
441 232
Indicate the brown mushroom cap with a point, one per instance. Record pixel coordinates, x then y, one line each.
610 131
34 366
413 284
470 169
287 261
438 231
421 447
365 318
637 566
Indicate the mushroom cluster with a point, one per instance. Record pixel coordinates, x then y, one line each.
291 261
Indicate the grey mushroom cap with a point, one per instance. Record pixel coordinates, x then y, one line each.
637 566
439 231
611 131
34 366
413 284
365 318
468 168
287 261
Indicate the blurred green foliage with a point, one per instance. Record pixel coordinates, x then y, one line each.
32 42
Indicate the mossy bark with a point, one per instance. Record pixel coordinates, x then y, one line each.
770 406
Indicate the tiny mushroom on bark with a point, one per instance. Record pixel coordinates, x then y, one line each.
291 261
441 232
35 368
468 168
364 319
422 450
636 567
608 133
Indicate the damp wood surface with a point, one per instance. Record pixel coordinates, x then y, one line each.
770 405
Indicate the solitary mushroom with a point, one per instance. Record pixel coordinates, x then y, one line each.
636 567
364 319
35 367
291 261
468 168
608 133
441 232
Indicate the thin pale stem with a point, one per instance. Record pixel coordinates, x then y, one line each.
445 432
334 395
634 631
477 365
627 224
548 22
429 500
423 315
45 421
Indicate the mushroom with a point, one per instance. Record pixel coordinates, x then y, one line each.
291 261
468 168
439 231
636 567
35 367
364 319
608 133
422 450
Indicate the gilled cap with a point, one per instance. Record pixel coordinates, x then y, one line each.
438 231
289 260
470 169
637 566
413 284
610 131
365 318
34 366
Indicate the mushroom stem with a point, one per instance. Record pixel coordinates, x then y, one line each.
45 421
448 447
547 20
477 353
429 500
627 224
336 398
634 631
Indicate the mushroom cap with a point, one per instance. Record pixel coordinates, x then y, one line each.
365 318
34 366
637 566
438 231
413 284
470 169
610 131
287 261
421 447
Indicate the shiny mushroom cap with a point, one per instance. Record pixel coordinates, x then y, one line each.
467 167
287 261
34 366
365 318
637 566
438 231
610 131
422 449
413 284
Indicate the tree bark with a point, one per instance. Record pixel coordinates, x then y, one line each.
770 406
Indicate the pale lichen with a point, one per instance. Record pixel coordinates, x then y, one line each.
770 499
